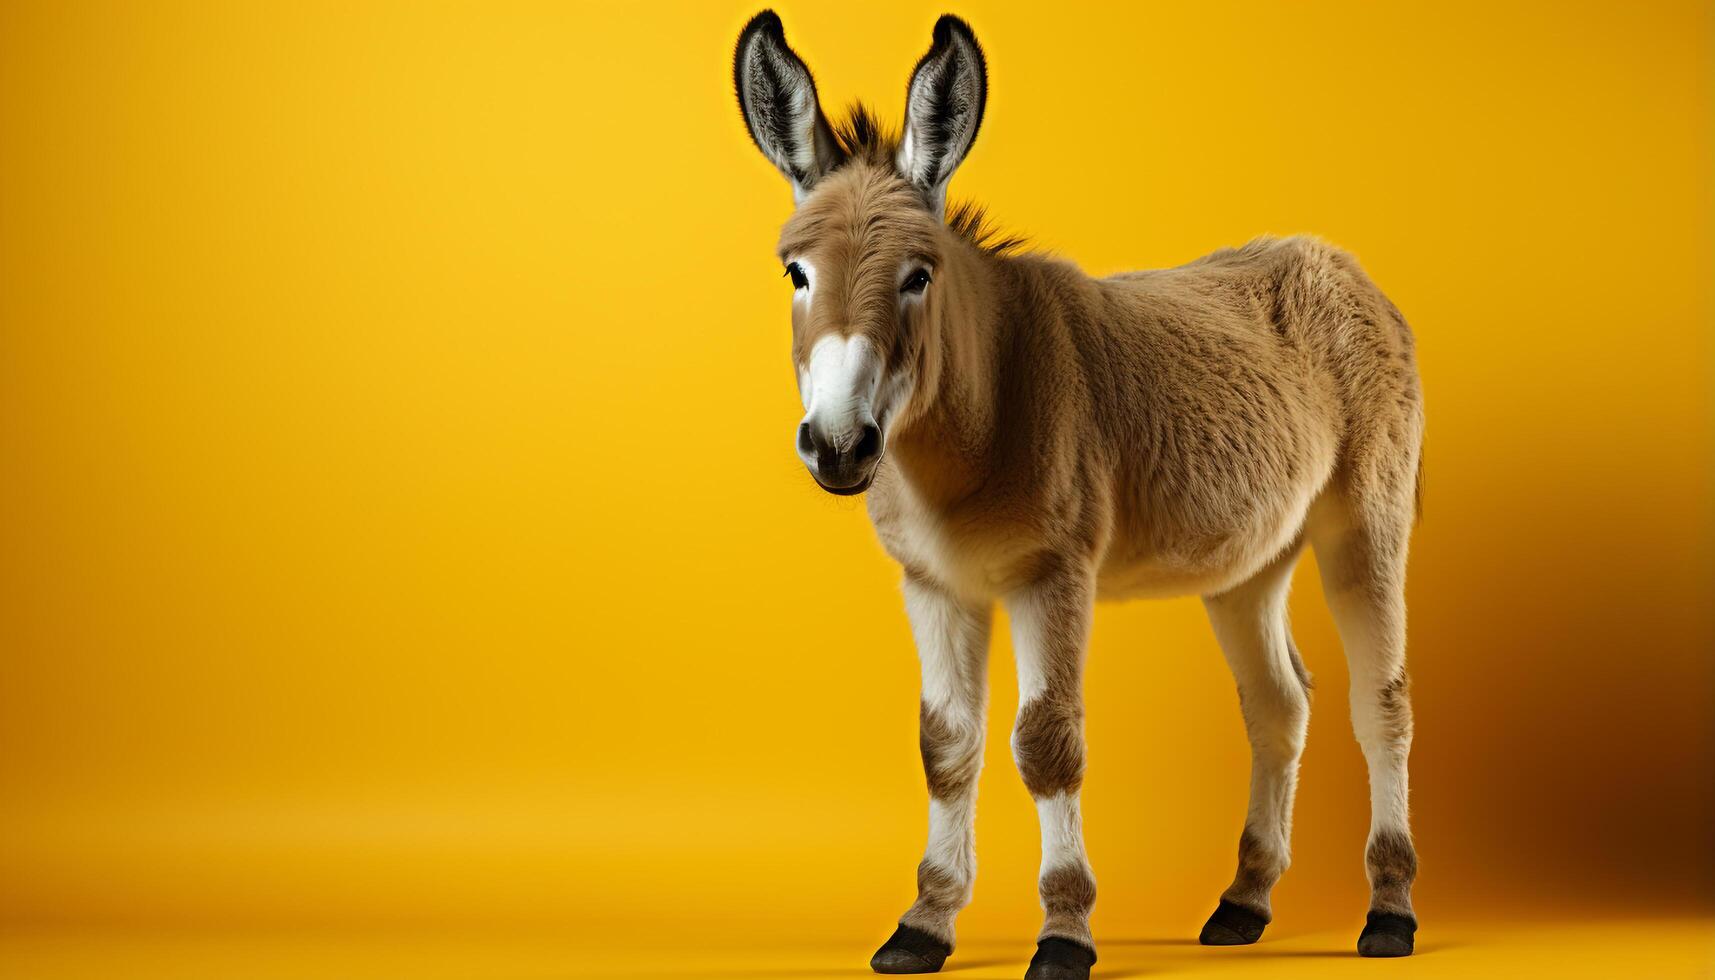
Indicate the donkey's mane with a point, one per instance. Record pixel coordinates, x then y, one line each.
863 138
971 222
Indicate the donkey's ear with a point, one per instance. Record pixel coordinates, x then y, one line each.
943 108
778 99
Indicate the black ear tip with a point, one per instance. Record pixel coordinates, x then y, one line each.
948 25
768 22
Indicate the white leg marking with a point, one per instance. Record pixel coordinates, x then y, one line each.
952 648
951 845
1029 614
1062 832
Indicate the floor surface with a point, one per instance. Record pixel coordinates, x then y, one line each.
1643 949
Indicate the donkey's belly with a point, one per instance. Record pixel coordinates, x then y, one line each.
1166 579
1205 565
989 565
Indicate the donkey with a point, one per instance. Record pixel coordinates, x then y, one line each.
1031 435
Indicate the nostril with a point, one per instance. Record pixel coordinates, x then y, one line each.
806 444
869 444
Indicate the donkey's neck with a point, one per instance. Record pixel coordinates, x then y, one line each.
946 453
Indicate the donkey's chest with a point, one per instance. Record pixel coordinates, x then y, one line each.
971 554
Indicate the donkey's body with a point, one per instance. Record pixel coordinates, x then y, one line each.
1033 436
1172 427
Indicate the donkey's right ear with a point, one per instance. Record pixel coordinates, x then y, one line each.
943 109
778 99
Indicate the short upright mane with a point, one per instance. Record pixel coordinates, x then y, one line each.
971 222
863 137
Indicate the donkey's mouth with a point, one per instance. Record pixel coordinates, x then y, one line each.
851 491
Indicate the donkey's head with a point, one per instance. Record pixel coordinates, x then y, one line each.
863 247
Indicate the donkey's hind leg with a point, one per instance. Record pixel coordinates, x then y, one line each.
1361 550
1250 622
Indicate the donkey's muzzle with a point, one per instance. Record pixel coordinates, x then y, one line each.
842 466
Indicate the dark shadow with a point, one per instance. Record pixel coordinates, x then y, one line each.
1426 948
739 973
1263 952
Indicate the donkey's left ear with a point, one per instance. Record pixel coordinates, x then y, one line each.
943 108
778 98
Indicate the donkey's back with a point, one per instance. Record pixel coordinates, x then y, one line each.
1227 397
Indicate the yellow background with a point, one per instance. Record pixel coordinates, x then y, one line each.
400 529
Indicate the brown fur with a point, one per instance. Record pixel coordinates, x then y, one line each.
1392 865
1395 703
1048 740
1259 869
940 896
951 758
1068 895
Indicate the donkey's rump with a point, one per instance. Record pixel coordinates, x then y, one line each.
1359 349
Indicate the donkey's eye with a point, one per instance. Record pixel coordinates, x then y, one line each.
799 279
916 282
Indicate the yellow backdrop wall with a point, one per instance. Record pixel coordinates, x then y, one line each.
399 521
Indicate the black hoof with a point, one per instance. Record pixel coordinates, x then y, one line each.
1060 959
910 950
1232 925
1387 934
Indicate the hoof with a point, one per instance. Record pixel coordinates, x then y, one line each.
1387 934
910 950
1060 959
1232 925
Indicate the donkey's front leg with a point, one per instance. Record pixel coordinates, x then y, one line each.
952 642
1051 626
